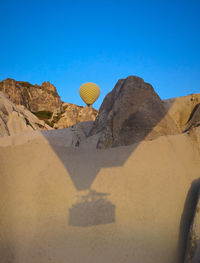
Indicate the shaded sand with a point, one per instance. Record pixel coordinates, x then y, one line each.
143 200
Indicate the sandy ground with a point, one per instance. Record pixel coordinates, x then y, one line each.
152 187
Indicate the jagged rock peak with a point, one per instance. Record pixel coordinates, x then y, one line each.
49 86
33 97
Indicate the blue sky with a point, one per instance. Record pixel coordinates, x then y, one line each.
72 42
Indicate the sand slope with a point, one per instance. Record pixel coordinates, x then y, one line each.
152 186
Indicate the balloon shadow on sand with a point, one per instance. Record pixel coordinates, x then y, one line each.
92 209
84 163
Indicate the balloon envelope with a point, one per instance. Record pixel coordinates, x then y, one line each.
89 92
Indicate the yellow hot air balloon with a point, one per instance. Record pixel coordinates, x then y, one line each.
89 92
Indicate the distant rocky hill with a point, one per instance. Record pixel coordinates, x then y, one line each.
34 97
41 105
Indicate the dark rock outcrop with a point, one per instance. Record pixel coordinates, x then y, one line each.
131 112
193 247
194 119
33 97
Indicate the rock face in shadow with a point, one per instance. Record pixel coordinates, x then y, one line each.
92 209
33 97
131 112
194 120
193 247
16 118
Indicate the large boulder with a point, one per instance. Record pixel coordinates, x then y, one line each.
16 118
33 97
131 112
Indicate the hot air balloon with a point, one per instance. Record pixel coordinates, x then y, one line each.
89 92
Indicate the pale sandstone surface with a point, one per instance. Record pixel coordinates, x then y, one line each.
180 108
148 184
67 137
16 118
137 201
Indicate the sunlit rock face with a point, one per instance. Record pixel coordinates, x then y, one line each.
16 118
45 102
182 109
73 114
33 97
131 112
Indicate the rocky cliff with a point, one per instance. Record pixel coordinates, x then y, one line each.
34 97
16 118
45 103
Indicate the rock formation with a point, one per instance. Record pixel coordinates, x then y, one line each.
16 118
131 112
72 114
45 103
33 97
193 249
180 109
41 178
133 202
194 119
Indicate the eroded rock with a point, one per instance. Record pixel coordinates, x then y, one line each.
73 114
193 247
33 97
16 118
181 108
131 112
194 120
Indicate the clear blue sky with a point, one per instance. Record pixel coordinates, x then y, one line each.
72 42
